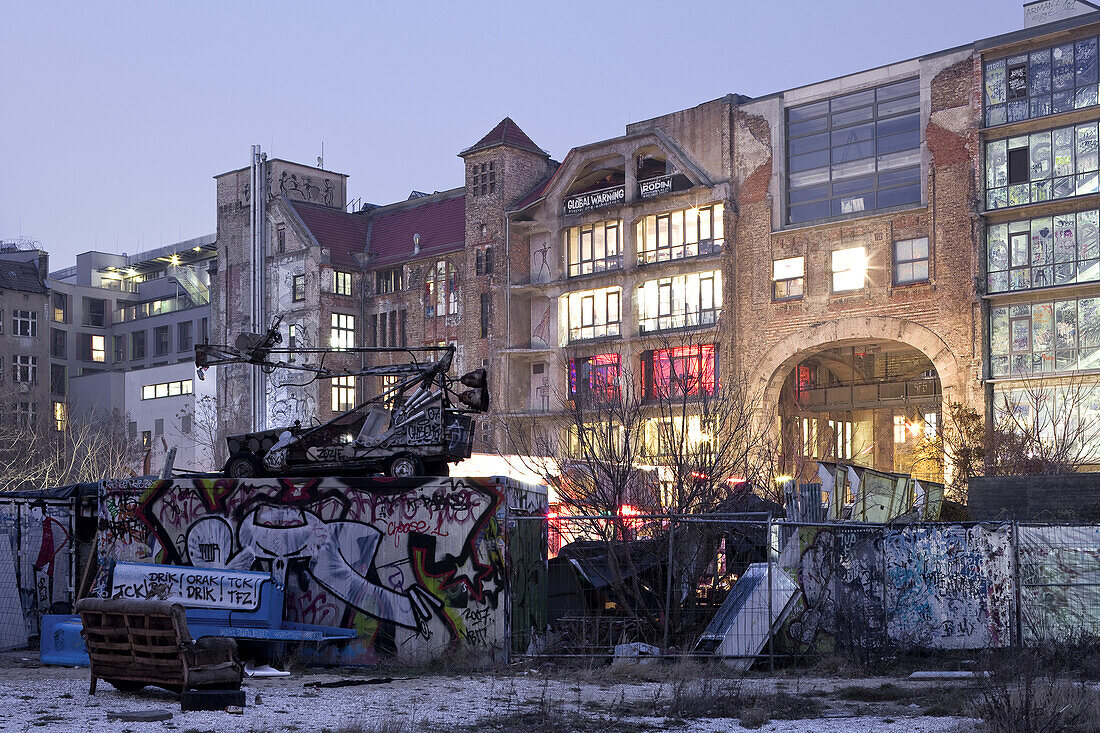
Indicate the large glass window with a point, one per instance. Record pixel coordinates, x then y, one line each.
342 335
1067 414
788 278
595 375
442 290
594 248
679 234
592 314
1052 164
1043 82
343 393
854 153
682 301
1056 336
849 269
684 370
1038 253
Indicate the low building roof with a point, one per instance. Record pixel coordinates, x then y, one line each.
22 276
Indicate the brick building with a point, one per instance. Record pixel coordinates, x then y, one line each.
858 252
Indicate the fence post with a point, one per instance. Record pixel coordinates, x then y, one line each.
668 581
885 641
771 617
1018 596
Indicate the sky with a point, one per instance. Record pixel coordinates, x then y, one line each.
115 116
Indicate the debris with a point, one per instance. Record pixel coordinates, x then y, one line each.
234 710
933 674
635 652
264 670
140 716
353 683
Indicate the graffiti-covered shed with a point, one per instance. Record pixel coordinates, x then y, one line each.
414 566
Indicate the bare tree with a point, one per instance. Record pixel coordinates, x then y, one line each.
207 432
40 451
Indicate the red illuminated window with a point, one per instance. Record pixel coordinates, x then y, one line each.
595 375
686 370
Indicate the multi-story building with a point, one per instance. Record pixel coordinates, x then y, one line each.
24 342
856 253
122 331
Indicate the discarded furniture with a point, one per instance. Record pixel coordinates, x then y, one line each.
134 643
234 603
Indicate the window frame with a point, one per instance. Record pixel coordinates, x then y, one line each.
589 325
674 298
24 323
342 393
703 356
708 218
787 282
834 272
341 331
341 282
575 243
441 290
298 288
595 377
1037 96
899 262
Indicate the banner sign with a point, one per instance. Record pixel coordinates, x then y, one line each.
235 590
653 187
613 196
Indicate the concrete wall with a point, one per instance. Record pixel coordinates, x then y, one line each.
415 566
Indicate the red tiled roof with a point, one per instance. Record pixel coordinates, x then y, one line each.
440 220
341 233
506 132
534 195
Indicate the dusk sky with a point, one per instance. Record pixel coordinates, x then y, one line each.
116 116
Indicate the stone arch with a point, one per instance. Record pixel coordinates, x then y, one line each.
771 370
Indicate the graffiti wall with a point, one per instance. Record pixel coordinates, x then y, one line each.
41 536
416 566
927 586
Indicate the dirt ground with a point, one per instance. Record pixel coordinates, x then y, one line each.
561 700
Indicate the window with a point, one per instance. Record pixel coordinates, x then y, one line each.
393 328
594 248
910 261
849 269
24 323
291 340
93 347
899 429
342 335
679 234
27 415
404 328
24 369
342 283
382 318
60 416
374 329
389 281
343 393
158 427
590 314
183 336
1038 253
484 315
160 341
120 348
95 311
146 440
167 389
596 376
788 278
137 345
442 290
1044 82
280 239
488 260
389 381
842 438
60 307
1042 166
682 301
484 176
680 371
58 343
204 332
1055 336
298 283
854 153
58 382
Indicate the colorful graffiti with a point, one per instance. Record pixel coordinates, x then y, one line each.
927 586
415 566
40 533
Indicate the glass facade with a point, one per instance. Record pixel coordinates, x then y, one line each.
858 152
590 314
594 248
1042 166
1046 337
682 301
1043 82
1039 253
680 234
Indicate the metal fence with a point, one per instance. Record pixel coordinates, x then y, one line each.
742 587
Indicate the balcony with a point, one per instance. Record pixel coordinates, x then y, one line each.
679 321
867 396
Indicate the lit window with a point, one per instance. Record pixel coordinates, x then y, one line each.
343 393
842 438
299 288
590 314
680 371
849 269
61 307
442 290
594 248
595 375
680 234
389 381
899 428
99 349
682 301
167 389
24 323
342 283
931 424
60 416
342 335
788 276
910 261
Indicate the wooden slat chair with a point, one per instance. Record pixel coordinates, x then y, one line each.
134 643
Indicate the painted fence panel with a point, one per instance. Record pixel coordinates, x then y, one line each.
40 534
413 565
1059 582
